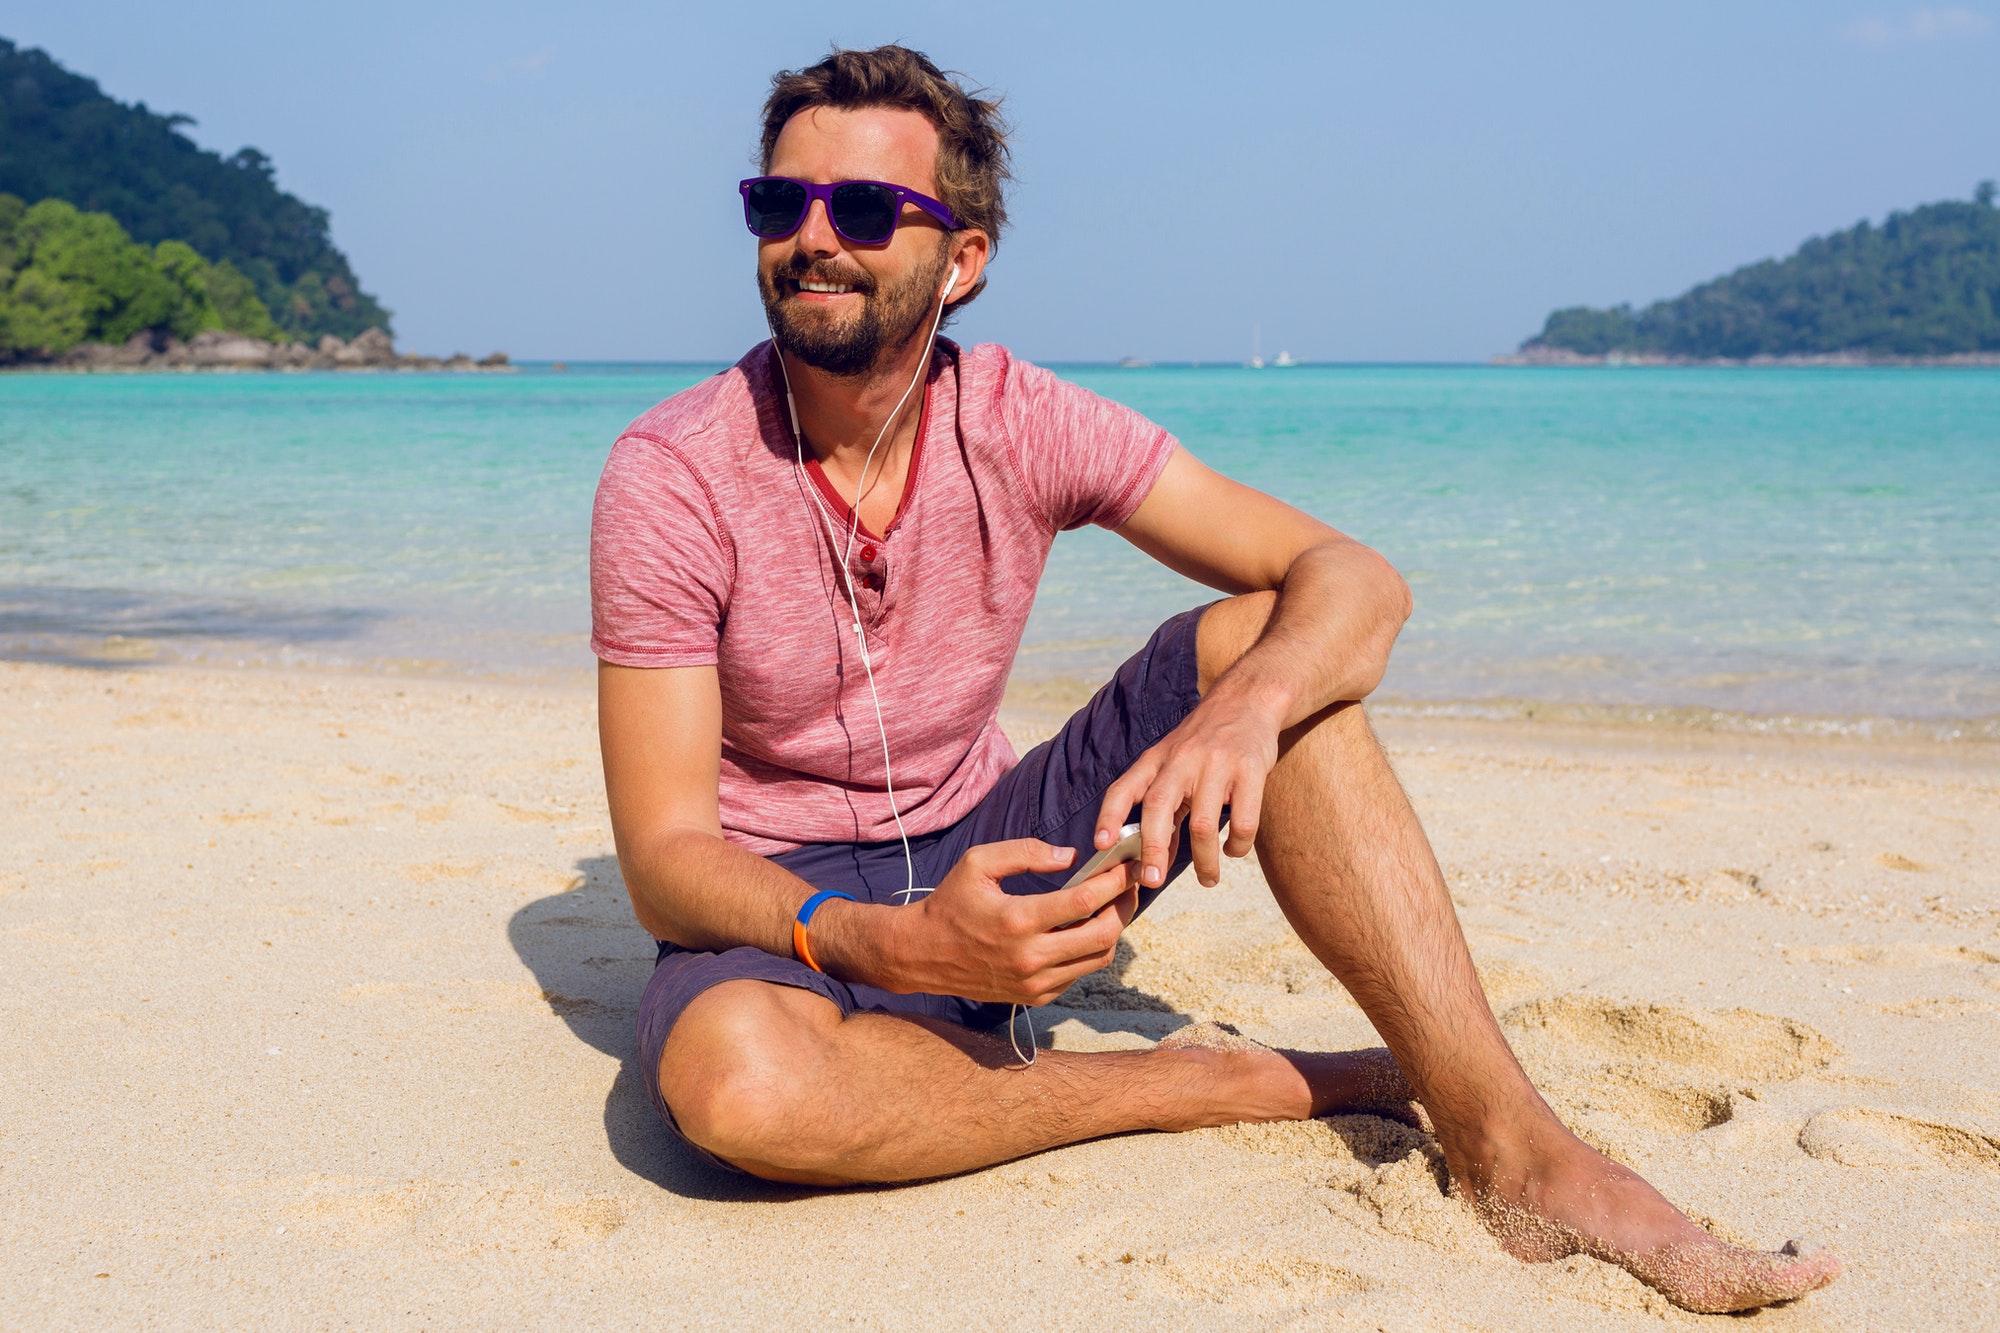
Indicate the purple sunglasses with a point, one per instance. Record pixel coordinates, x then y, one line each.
862 212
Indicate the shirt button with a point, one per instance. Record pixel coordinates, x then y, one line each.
867 553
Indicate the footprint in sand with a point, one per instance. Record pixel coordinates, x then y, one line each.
1411 1197
1394 1172
1860 1137
1659 1066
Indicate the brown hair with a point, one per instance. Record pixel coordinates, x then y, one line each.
972 137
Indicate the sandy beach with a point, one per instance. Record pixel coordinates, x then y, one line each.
317 1011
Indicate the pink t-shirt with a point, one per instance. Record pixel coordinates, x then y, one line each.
706 548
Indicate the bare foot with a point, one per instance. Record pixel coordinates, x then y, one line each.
1555 1198
1302 1084
1574 1200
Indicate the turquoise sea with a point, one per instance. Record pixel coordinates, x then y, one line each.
1770 542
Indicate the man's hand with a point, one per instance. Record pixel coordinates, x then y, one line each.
1218 756
1337 613
970 937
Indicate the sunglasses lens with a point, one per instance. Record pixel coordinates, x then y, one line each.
774 207
865 213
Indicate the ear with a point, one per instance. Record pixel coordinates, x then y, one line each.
968 264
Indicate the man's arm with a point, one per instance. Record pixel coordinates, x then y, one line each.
661 734
1340 606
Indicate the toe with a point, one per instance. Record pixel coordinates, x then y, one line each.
1730 1279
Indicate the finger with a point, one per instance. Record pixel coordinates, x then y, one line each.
1094 933
1065 907
1088 940
1204 829
1021 856
1246 807
1050 983
1121 796
1159 818
1126 904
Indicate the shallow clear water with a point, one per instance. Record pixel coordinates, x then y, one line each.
1817 541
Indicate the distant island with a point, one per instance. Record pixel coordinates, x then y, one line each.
1922 288
124 246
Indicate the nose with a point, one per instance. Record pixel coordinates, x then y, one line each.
816 235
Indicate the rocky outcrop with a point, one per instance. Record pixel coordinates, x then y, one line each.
1542 354
214 349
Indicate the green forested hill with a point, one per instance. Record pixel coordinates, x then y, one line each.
1924 283
62 138
67 277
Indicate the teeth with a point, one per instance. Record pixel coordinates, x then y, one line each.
829 287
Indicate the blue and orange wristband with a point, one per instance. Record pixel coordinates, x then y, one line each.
801 949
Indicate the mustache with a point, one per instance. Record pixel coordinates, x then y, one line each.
799 268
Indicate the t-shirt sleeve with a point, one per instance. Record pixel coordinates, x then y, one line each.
660 561
1085 459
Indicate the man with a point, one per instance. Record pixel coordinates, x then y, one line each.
809 583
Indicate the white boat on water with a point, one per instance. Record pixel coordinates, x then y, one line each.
1284 359
1256 361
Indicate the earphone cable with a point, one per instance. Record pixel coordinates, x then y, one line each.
910 889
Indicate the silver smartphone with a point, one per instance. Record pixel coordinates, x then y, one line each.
1125 849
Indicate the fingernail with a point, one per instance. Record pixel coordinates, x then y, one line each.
1152 876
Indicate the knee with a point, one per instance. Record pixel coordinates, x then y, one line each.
1229 629
735 1074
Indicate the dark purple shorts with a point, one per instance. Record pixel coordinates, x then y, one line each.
1052 794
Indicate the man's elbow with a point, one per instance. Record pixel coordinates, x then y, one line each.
648 866
645 910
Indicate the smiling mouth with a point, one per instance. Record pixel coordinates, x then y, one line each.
823 288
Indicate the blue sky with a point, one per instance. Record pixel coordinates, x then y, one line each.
1412 182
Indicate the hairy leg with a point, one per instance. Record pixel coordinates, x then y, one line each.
775 1080
1354 873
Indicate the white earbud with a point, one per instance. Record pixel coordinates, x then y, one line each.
949 283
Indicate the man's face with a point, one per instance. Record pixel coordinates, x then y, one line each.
884 294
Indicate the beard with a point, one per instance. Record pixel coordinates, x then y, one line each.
849 347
